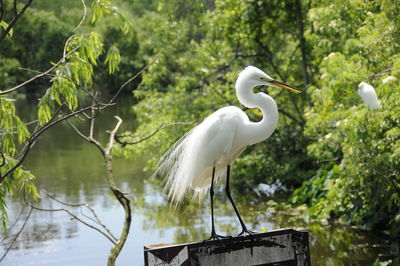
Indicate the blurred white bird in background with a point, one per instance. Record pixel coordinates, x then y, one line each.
368 94
206 153
389 79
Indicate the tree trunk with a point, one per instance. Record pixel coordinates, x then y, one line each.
303 47
127 209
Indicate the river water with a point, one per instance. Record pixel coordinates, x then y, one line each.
72 171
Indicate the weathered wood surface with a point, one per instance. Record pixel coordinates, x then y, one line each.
280 247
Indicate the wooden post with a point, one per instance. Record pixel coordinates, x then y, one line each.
281 247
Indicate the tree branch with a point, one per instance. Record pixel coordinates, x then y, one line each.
73 216
2 9
16 235
96 220
130 80
270 56
83 17
290 116
161 127
16 17
3 160
41 130
38 75
112 135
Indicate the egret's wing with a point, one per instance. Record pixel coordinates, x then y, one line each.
190 161
368 94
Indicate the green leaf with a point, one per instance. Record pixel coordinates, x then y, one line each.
113 59
5 25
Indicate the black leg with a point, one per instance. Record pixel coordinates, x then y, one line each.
212 203
213 234
228 193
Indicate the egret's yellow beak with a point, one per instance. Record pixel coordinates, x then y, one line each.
284 85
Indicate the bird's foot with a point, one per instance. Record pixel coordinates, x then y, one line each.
246 232
215 236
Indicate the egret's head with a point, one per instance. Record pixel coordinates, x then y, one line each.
255 77
362 85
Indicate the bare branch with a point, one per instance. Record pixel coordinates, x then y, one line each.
2 9
3 160
83 17
37 76
130 80
41 130
76 84
73 216
16 235
291 117
15 7
112 135
161 127
87 138
270 57
10 228
99 222
77 131
15 18
96 220
91 129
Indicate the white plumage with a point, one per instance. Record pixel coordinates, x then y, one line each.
219 139
368 94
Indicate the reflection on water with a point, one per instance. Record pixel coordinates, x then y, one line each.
73 171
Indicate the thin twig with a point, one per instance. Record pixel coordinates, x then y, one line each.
41 130
65 54
2 9
77 131
3 160
161 127
16 17
96 220
76 84
87 138
16 235
15 7
83 17
73 216
134 77
10 228
39 75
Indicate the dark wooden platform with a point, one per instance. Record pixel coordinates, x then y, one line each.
280 247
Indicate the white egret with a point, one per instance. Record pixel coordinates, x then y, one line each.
368 94
206 153
389 79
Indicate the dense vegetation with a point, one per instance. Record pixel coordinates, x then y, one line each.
344 155
339 157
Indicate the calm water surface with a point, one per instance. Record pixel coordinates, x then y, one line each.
73 171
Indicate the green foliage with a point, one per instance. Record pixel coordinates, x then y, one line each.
113 59
71 83
5 25
347 154
200 49
19 182
358 148
12 129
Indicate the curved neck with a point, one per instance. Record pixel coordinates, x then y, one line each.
257 131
